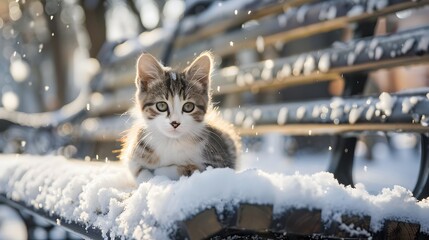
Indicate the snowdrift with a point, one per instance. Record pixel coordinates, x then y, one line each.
104 196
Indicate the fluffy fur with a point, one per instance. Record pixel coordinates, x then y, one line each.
176 131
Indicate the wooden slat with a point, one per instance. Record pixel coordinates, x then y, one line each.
203 225
273 31
342 21
274 118
254 217
206 24
215 24
228 83
396 230
123 72
333 116
232 80
330 129
359 223
300 221
359 55
334 74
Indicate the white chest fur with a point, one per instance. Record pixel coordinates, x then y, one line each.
177 151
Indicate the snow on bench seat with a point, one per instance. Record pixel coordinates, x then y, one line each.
102 195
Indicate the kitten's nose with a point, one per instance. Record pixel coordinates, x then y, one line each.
175 124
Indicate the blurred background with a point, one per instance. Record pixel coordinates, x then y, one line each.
52 52
58 55
49 48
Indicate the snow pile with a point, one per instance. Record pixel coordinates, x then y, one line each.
386 103
104 196
409 103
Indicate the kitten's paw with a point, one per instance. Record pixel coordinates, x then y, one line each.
187 170
171 172
144 176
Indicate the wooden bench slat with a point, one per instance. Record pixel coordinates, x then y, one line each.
207 24
123 72
359 223
285 118
254 217
203 225
299 221
355 113
401 230
401 48
272 30
272 74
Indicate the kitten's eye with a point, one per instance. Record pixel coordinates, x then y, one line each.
161 106
188 107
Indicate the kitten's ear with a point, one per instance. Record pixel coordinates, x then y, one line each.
148 70
200 69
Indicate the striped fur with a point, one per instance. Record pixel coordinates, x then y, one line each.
200 138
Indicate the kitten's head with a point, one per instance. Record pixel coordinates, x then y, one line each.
171 102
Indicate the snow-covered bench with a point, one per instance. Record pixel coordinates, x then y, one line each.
95 200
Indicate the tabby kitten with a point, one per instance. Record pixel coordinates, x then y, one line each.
176 130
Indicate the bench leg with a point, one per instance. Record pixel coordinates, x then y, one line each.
341 164
421 190
342 160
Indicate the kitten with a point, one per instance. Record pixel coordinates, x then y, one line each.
176 131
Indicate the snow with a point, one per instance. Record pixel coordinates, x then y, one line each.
282 117
373 44
10 100
332 12
316 111
351 58
248 78
324 62
301 13
381 4
257 114
378 53
386 103
11 226
355 11
370 113
309 65
336 106
267 74
282 19
355 114
375 5
298 65
260 44
359 47
424 121
409 103
239 118
104 196
300 112
423 44
19 70
407 45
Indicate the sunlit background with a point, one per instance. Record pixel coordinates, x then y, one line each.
48 48
50 54
51 51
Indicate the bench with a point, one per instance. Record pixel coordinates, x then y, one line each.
95 123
